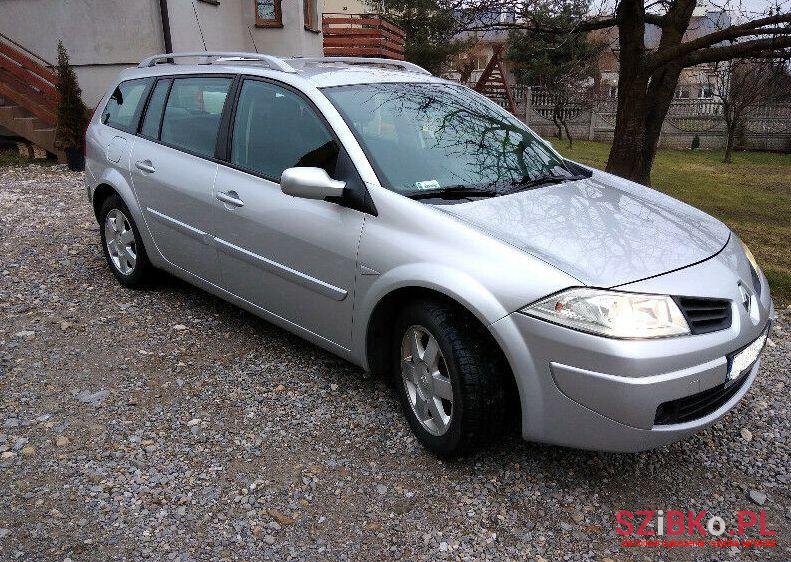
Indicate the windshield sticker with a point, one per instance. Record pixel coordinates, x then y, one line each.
428 184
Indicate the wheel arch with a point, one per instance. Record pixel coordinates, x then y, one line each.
379 331
112 182
101 193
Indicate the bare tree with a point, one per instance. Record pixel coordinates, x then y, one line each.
743 87
648 76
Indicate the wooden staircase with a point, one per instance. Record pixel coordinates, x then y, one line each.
28 98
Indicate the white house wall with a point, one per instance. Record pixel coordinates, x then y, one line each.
105 36
102 37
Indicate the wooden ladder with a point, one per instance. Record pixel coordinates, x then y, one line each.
493 84
28 98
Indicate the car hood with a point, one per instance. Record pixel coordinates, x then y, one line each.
604 231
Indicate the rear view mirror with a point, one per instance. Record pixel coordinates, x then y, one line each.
310 183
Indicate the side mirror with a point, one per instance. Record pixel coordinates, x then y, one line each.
310 183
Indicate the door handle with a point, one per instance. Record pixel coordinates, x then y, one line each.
231 198
145 166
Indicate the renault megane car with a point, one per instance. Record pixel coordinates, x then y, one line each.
413 227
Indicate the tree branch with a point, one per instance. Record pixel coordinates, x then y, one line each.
761 48
750 28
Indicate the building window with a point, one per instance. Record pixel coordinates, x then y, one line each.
268 14
706 91
682 93
311 15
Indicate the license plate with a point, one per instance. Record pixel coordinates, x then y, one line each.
744 359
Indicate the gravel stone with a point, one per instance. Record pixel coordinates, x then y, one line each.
757 497
234 440
93 398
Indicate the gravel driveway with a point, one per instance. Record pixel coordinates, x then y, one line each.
169 425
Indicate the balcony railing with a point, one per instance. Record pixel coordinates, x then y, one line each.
361 35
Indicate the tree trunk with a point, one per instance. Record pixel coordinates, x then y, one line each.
556 118
644 99
566 128
626 155
729 141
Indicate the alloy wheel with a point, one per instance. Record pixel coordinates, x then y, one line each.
426 380
120 240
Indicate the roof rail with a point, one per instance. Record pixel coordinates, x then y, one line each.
374 61
275 63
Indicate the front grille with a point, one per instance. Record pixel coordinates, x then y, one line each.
698 405
705 315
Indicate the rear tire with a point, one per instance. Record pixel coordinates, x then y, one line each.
123 248
450 377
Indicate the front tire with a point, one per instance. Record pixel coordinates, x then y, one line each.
122 245
450 378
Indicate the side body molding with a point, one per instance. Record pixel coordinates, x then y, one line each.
310 283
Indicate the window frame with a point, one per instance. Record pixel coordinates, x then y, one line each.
358 197
310 16
139 110
275 22
219 141
225 156
139 128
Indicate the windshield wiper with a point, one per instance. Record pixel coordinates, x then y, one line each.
544 179
453 192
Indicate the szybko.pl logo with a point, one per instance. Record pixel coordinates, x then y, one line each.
673 528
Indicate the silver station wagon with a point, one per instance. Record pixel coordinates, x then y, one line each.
413 227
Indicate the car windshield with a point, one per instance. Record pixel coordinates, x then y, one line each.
426 137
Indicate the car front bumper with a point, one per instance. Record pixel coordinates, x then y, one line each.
592 392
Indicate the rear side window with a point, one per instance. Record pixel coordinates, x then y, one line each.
275 129
192 114
123 107
156 104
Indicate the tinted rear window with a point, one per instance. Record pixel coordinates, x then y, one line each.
122 108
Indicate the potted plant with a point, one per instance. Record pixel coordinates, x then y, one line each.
72 115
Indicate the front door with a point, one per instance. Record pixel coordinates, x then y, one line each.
295 258
173 173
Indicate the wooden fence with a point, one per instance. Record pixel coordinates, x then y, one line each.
361 35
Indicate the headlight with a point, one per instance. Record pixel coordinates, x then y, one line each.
611 313
750 257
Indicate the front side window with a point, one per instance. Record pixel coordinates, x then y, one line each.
425 137
268 13
275 129
192 114
122 107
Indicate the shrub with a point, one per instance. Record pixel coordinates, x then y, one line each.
696 142
72 115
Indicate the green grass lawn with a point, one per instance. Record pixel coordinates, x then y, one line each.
752 195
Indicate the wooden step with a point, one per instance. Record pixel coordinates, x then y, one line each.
20 122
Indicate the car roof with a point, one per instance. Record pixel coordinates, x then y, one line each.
320 72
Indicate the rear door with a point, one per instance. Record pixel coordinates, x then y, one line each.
293 257
119 120
173 169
